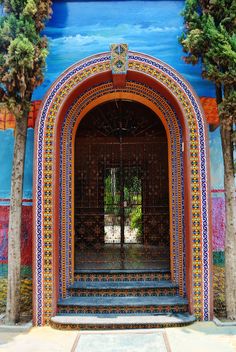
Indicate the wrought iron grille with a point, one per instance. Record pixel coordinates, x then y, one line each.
121 189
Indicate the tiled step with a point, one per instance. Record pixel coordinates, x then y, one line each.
123 288
116 299
121 275
122 305
114 321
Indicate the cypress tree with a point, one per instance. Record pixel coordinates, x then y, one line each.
209 38
23 52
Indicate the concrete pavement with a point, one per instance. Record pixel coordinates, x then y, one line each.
198 337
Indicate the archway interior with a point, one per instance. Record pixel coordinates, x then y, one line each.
121 189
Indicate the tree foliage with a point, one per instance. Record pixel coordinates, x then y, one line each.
23 51
23 54
209 38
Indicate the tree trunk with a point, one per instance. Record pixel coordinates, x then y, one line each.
218 88
14 229
230 238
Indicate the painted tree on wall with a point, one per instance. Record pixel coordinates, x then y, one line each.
22 61
210 38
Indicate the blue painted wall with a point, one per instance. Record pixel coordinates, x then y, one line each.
6 155
80 29
216 160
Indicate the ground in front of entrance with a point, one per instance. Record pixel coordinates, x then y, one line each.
198 337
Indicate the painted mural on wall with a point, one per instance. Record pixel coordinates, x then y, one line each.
26 238
216 161
79 29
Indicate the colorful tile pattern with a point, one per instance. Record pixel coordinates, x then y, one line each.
45 272
68 326
125 276
136 291
119 58
122 310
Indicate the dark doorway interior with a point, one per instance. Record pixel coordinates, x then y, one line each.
121 189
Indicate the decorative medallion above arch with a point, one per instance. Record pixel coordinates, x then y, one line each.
77 91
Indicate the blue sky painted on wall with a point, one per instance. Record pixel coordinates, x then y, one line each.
216 160
80 29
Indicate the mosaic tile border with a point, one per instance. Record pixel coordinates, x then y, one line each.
43 248
135 291
68 326
126 276
75 309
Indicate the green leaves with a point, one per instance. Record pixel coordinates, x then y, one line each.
23 51
30 8
209 37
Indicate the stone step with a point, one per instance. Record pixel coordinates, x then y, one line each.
123 288
121 275
122 305
124 321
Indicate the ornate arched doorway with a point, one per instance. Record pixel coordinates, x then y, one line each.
74 96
